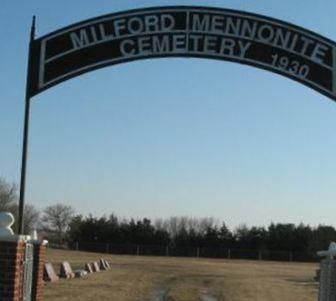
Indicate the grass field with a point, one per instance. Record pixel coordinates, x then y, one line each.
142 278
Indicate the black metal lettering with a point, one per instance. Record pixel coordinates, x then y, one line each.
80 39
184 31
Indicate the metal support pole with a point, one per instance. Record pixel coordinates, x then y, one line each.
25 135
24 165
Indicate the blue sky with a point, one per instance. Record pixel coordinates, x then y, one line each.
171 136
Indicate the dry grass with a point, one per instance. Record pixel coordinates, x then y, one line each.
183 279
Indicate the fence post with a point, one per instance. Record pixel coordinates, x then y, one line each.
198 252
259 255
138 250
107 249
229 254
167 250
76 245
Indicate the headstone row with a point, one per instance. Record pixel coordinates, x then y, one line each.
67 272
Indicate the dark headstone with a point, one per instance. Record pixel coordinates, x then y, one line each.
102 264
107 264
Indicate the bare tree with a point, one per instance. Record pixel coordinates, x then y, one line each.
8 195
56 219
31 217
206 223
176 224
9 202
159 224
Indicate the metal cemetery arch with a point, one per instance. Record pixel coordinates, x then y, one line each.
177 31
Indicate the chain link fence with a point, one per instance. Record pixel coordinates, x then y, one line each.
191 251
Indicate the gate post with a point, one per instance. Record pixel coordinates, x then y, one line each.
327 283
38 269
12 260
20 278
12 269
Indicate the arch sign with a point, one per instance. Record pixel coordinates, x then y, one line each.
184 31
176 31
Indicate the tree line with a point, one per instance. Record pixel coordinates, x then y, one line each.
200 232
60 224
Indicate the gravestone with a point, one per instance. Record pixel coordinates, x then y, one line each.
107 264
66 270
95 266
49 273
88 267
103 265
